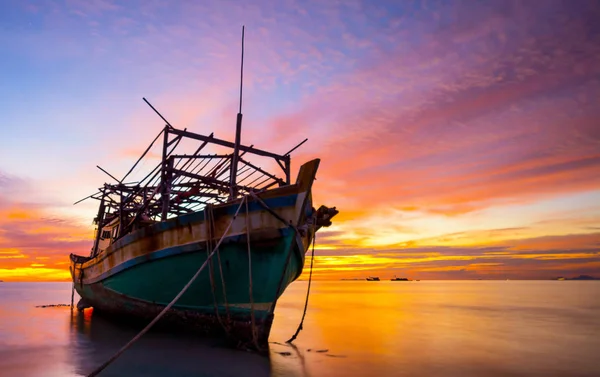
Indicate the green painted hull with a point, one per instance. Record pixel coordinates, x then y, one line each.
157 282
215 304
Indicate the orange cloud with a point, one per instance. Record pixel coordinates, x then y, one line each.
541 258
36 246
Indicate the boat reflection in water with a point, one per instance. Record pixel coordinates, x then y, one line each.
157 353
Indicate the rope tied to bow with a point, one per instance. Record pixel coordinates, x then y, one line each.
312 259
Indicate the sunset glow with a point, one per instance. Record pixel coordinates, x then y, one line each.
458 140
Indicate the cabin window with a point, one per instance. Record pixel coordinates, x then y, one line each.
105 234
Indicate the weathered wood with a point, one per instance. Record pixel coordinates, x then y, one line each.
288 168
268 186
207 180
107 173
234 160
159 114
142 156
229 144
242 71
163 175
296 147
100 218
262 171
165 196
285 169
181 183
198 150
87 197
175 140
193 193
197 170
216 171
190 156
121 215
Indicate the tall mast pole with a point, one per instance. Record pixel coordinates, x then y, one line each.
238 134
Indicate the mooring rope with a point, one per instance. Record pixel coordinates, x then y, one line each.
312 259
72 294
209 227
296 233
290 248
159 316
223 284
285 268
254 334
210 223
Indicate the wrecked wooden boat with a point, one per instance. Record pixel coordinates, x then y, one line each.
154 234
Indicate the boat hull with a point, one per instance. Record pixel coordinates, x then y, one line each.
208 307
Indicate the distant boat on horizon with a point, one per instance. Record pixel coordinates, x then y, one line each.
399 279
372 278
580 277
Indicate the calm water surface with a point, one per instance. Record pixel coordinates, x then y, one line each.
426 328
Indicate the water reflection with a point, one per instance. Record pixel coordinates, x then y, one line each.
95 339
495 328
444 329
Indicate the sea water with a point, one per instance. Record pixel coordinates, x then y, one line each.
352 328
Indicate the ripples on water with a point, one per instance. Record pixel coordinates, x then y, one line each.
352 328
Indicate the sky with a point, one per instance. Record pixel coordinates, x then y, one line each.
458 139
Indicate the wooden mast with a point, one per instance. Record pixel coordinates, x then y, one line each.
238 134
164 174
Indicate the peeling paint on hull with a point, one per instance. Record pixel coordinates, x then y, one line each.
139 288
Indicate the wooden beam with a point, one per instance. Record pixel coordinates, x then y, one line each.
198 150
175 140
107 173
207 180
159 114
224 143
296 147
288 168
163 177
142 156
207 194
201 155
219 185
262 171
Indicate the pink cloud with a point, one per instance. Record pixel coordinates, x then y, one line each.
445 110
457 131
